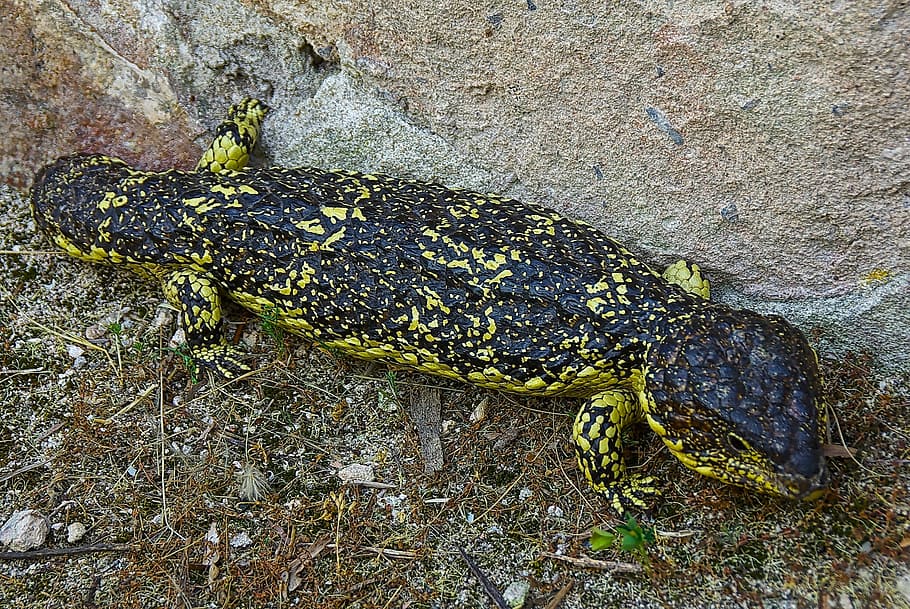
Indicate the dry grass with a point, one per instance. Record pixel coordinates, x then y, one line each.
174 471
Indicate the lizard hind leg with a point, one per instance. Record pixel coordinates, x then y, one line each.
234 138
597 434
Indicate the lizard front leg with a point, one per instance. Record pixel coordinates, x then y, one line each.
196 296
597 434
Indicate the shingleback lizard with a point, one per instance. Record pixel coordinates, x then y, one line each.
469 286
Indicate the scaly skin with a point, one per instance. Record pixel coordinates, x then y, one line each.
460 284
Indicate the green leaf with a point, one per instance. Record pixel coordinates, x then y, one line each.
601 539
634 536
631 540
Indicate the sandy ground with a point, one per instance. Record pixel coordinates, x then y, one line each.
198 493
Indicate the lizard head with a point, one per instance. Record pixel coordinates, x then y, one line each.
737 396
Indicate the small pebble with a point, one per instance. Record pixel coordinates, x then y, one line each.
75 532
480 411
95 332
516 594
212 535
357 472
177 339
663 123
730 213
241 540
749 104
25 530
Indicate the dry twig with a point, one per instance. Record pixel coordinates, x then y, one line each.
488 587
557 600
592 563
51 552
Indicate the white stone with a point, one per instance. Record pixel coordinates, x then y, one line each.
25 530
241 540
357 472
75 532
480 412
516 594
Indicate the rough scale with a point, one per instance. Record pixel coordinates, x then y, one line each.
470 286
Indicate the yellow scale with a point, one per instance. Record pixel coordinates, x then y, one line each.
425 334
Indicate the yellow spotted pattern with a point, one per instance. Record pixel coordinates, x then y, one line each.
469 286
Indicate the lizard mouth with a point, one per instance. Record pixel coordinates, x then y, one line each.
806 489
751 476
786 484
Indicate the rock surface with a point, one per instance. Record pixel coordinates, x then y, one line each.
768 142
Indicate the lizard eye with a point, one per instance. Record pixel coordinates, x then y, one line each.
736 443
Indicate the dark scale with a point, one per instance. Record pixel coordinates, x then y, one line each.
470 286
